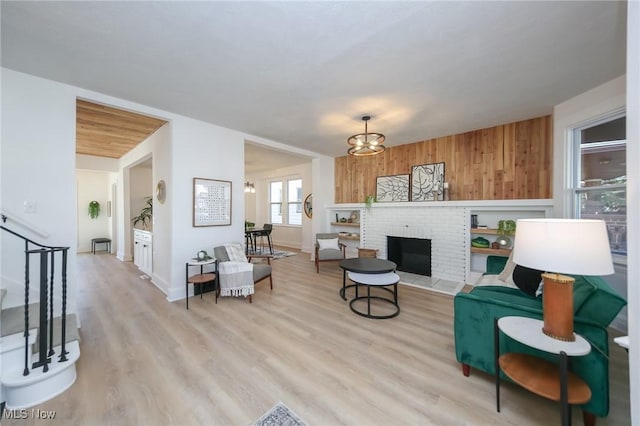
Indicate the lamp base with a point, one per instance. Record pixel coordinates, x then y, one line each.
557 306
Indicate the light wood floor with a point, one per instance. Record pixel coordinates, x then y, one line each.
149 362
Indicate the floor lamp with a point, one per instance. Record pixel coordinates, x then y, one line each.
562 246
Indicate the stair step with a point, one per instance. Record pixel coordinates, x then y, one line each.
12 322
12 319
15 341
26 391
71 334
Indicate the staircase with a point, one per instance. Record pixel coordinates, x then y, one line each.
39 341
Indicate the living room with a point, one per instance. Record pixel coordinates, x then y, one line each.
42 159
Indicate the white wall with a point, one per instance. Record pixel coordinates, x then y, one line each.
93 185
633 201
200 154
140 188
284 235
37 164
250 205
91 162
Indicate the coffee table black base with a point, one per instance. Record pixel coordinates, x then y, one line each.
368 298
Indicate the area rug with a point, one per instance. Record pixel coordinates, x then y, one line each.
279 415
277 254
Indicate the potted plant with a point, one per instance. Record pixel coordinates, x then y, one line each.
94 209
145 213
506 227
368 201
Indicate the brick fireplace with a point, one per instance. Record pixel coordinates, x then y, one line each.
446 227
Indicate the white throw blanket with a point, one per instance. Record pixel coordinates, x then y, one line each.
236 275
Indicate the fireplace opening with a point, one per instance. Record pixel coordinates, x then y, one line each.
410 254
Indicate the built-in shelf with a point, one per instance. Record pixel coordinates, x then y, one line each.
486 231
348 237
499 252
345 224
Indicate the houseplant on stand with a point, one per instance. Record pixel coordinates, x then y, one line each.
145 214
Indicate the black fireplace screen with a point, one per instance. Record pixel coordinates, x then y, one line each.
410 254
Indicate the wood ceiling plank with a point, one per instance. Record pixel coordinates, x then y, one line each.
105 131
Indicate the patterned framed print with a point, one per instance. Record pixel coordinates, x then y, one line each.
427 182
211 202
391 189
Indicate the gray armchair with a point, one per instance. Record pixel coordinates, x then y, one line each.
238 274
328 248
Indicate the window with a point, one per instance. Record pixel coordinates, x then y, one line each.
600 184
275 202
291 200
294 202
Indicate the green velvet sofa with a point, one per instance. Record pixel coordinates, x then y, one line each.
596 304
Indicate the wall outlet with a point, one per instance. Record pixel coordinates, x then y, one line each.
30 206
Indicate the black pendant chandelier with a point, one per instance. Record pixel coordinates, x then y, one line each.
366 143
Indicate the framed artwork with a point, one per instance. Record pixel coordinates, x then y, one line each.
392 188
308 206
211 202
427 182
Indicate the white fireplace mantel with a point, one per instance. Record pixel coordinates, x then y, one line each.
446 223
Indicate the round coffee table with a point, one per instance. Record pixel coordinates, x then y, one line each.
365 265
381 281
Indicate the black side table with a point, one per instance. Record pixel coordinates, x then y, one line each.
202 277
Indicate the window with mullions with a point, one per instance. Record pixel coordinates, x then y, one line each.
285 201
601 183
275 202
294 202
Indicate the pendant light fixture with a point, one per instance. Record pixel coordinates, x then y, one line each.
366 143
249 187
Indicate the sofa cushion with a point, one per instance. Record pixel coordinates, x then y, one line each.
328 244
508 295
527 279
494 280
495 264
594 299
507 273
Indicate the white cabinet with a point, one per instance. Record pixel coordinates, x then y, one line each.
143 250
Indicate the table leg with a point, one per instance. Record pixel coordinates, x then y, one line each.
186 284
344 284
496 355
368 299
565 410
201 284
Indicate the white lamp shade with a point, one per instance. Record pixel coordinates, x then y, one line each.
565 246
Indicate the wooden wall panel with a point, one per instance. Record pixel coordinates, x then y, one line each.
507 162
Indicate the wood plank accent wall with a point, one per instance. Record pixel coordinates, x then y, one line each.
507 162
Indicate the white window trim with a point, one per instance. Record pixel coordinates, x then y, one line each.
573 169
284 180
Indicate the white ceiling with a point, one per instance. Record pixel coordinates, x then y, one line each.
303 73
